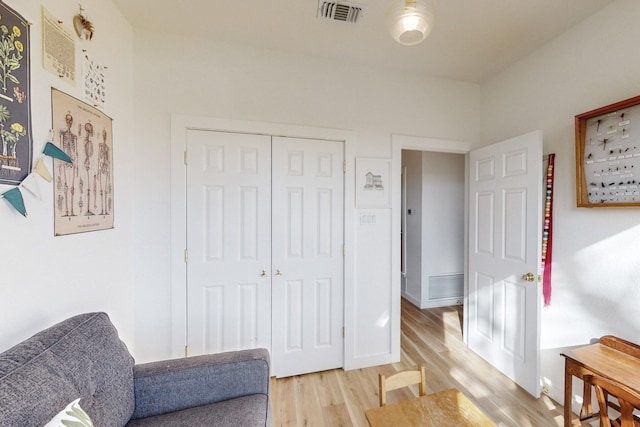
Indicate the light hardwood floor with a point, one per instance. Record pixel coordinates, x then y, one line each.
433 337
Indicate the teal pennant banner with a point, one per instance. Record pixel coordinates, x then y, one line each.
53 151
14 197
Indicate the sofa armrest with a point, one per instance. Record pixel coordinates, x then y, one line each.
172 385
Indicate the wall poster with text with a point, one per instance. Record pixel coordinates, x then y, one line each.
15 106
83 189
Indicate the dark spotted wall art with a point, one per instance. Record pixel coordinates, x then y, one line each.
608 155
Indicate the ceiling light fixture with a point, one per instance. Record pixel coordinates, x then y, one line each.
411 21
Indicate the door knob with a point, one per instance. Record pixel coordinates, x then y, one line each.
278 273
529 277
263 273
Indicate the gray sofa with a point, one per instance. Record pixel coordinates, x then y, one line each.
83 357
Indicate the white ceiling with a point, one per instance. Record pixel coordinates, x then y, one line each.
472 40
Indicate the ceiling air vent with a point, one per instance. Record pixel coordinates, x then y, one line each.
339 11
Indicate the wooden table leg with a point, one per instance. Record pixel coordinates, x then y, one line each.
587 408
567 394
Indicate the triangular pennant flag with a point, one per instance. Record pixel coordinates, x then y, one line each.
53 151
14 197
31 184
42 170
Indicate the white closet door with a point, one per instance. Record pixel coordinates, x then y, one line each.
228 241
307 251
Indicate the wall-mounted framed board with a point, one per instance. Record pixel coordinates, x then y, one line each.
608 155
372 183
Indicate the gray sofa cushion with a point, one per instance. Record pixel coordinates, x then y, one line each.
79 357
247 411
172 385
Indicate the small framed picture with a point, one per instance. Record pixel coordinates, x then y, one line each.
608 155
372 183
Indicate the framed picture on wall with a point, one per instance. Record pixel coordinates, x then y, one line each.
16 146
372 183
608 155
83 189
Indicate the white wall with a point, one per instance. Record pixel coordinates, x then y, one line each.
596 261
435 229
44 279
190 77
443 212
412 160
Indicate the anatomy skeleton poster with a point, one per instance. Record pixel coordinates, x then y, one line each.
15 109
83 189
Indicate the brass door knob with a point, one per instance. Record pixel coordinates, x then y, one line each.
263 273
529 277
278 273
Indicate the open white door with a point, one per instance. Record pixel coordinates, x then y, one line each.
505 238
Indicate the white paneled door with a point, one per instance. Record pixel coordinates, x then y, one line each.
307 244
265 239
505 223
228 241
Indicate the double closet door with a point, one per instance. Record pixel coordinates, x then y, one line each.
265 248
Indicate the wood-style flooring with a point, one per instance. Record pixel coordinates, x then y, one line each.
433 337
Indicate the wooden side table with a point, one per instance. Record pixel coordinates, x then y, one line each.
600 360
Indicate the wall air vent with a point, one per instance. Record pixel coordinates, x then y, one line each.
339 11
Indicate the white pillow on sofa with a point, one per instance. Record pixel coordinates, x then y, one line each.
73 414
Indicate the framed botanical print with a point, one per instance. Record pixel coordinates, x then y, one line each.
16 147
608 155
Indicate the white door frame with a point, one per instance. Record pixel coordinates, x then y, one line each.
179 126
399 143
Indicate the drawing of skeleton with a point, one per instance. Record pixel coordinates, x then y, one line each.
88 153
69 144
103 173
